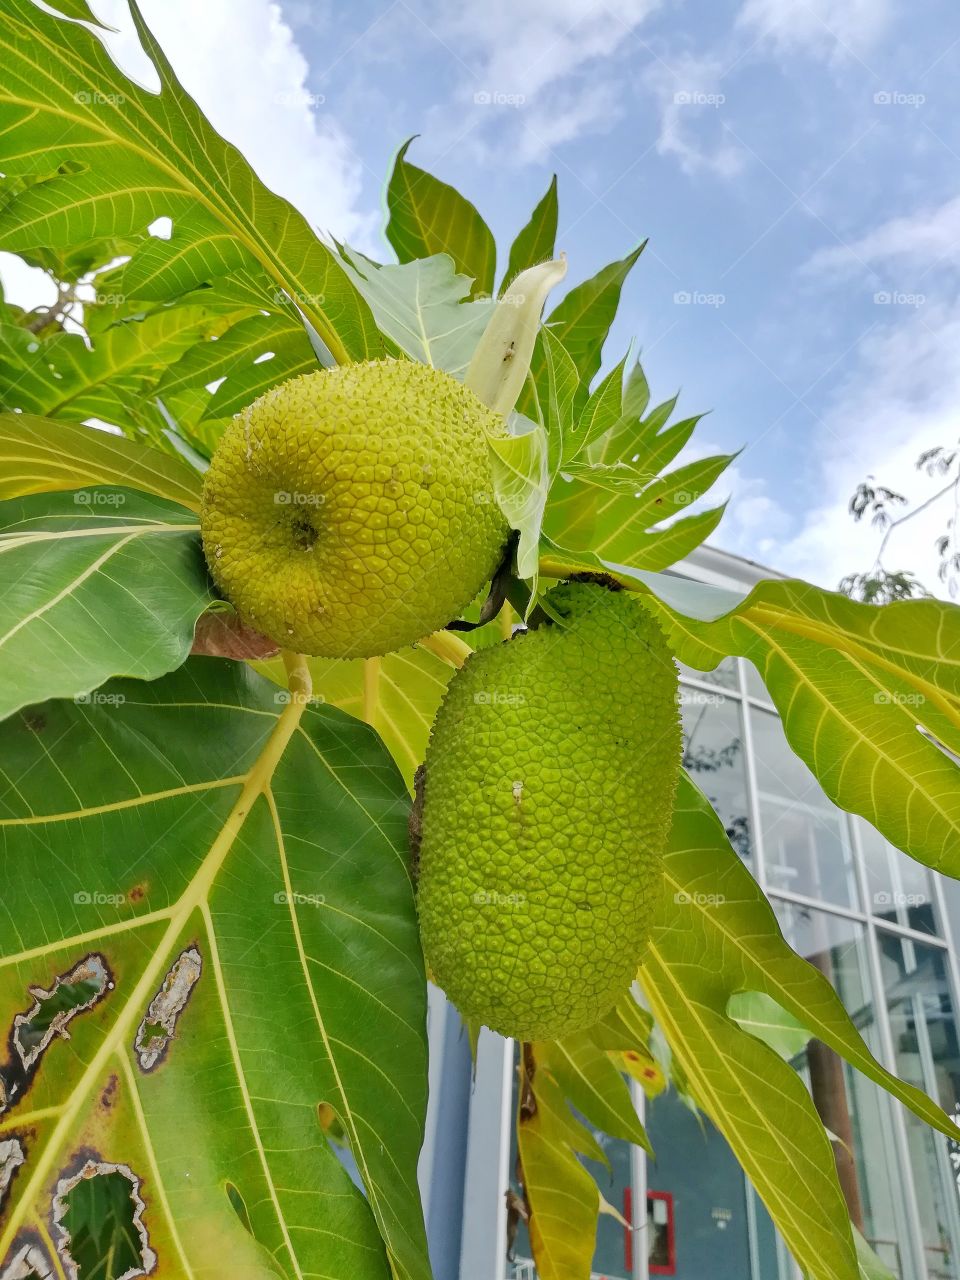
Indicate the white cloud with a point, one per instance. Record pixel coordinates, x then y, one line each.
526 47
899 400
926 238
834 29
239 60
541 73
691 122
568 115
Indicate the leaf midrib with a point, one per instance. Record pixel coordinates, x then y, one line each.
196 894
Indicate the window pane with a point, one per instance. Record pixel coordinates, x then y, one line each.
713 755
724 676
852 1107
755 686
923 1023
805 841
697 1178
899 890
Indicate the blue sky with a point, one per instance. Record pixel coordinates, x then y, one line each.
795 165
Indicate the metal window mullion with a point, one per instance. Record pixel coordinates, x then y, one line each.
638 1185
889 1058
753 803
483 1253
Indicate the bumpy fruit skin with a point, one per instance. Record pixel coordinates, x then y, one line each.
349 512
548 794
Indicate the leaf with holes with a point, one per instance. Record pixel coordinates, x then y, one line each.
206 890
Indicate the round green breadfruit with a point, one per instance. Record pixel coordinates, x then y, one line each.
548 793
349 512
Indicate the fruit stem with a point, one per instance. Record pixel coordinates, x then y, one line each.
446 645
299 679
552 567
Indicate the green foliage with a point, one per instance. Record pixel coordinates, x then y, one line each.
536 242
79 562
195 806
427 216
196 836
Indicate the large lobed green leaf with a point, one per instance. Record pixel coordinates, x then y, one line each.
126 156
720 937
536 241
62 376
38 456
428 217
422 306
101 581
212 816
865 693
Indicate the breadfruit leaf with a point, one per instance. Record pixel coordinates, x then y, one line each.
428 217
103 581
205 876
252 356
422 306
39 456
397 694
536 241
608 495
561 1198
719 936
869 698
127 156
62 376
584 1072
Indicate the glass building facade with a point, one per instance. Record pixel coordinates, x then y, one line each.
880 927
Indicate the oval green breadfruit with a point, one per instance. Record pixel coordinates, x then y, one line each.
548 794
349 512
